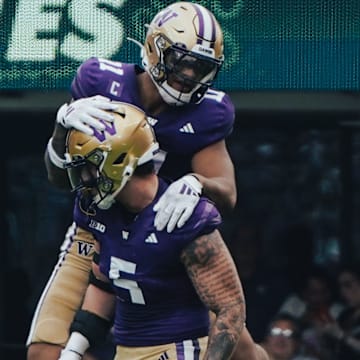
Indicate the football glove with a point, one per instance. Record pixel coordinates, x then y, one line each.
85 114
177 203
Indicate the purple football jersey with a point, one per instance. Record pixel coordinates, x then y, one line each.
156 301
180 130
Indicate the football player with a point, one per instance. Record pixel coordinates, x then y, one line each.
159 285
181 56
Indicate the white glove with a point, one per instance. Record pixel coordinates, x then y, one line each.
83 114
177 203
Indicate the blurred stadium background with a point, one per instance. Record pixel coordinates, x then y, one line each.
293 71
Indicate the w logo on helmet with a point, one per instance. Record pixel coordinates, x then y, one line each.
109 128
164 17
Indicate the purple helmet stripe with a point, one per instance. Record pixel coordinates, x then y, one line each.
207 27
201 24
213 31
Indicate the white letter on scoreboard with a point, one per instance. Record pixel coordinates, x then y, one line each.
107 31
29 20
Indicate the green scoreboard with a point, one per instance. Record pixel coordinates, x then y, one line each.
269 44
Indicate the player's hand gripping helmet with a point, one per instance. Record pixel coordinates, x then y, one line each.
183 52
102 163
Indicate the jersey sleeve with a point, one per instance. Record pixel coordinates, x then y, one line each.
223 119
212 121
229 117
89 80
204 220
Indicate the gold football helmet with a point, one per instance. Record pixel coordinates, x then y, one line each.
183 52
105 161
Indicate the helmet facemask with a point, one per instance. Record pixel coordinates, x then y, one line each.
177 56
85 175
187 76
100 165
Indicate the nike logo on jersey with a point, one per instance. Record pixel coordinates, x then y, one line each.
97 226
187 128
151 239
152 121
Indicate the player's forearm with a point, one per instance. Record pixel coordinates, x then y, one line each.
213 273
221 190
224 334
91 323
87 329
56 175
99 302
215 171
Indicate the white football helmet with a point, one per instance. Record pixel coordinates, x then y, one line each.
183 52
102 163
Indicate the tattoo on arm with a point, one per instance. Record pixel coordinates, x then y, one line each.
214 275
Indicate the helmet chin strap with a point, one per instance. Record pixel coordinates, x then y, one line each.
171 96
174 97
104 203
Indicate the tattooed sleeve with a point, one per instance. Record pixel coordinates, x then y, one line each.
213 273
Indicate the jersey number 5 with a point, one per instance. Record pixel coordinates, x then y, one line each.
116 267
